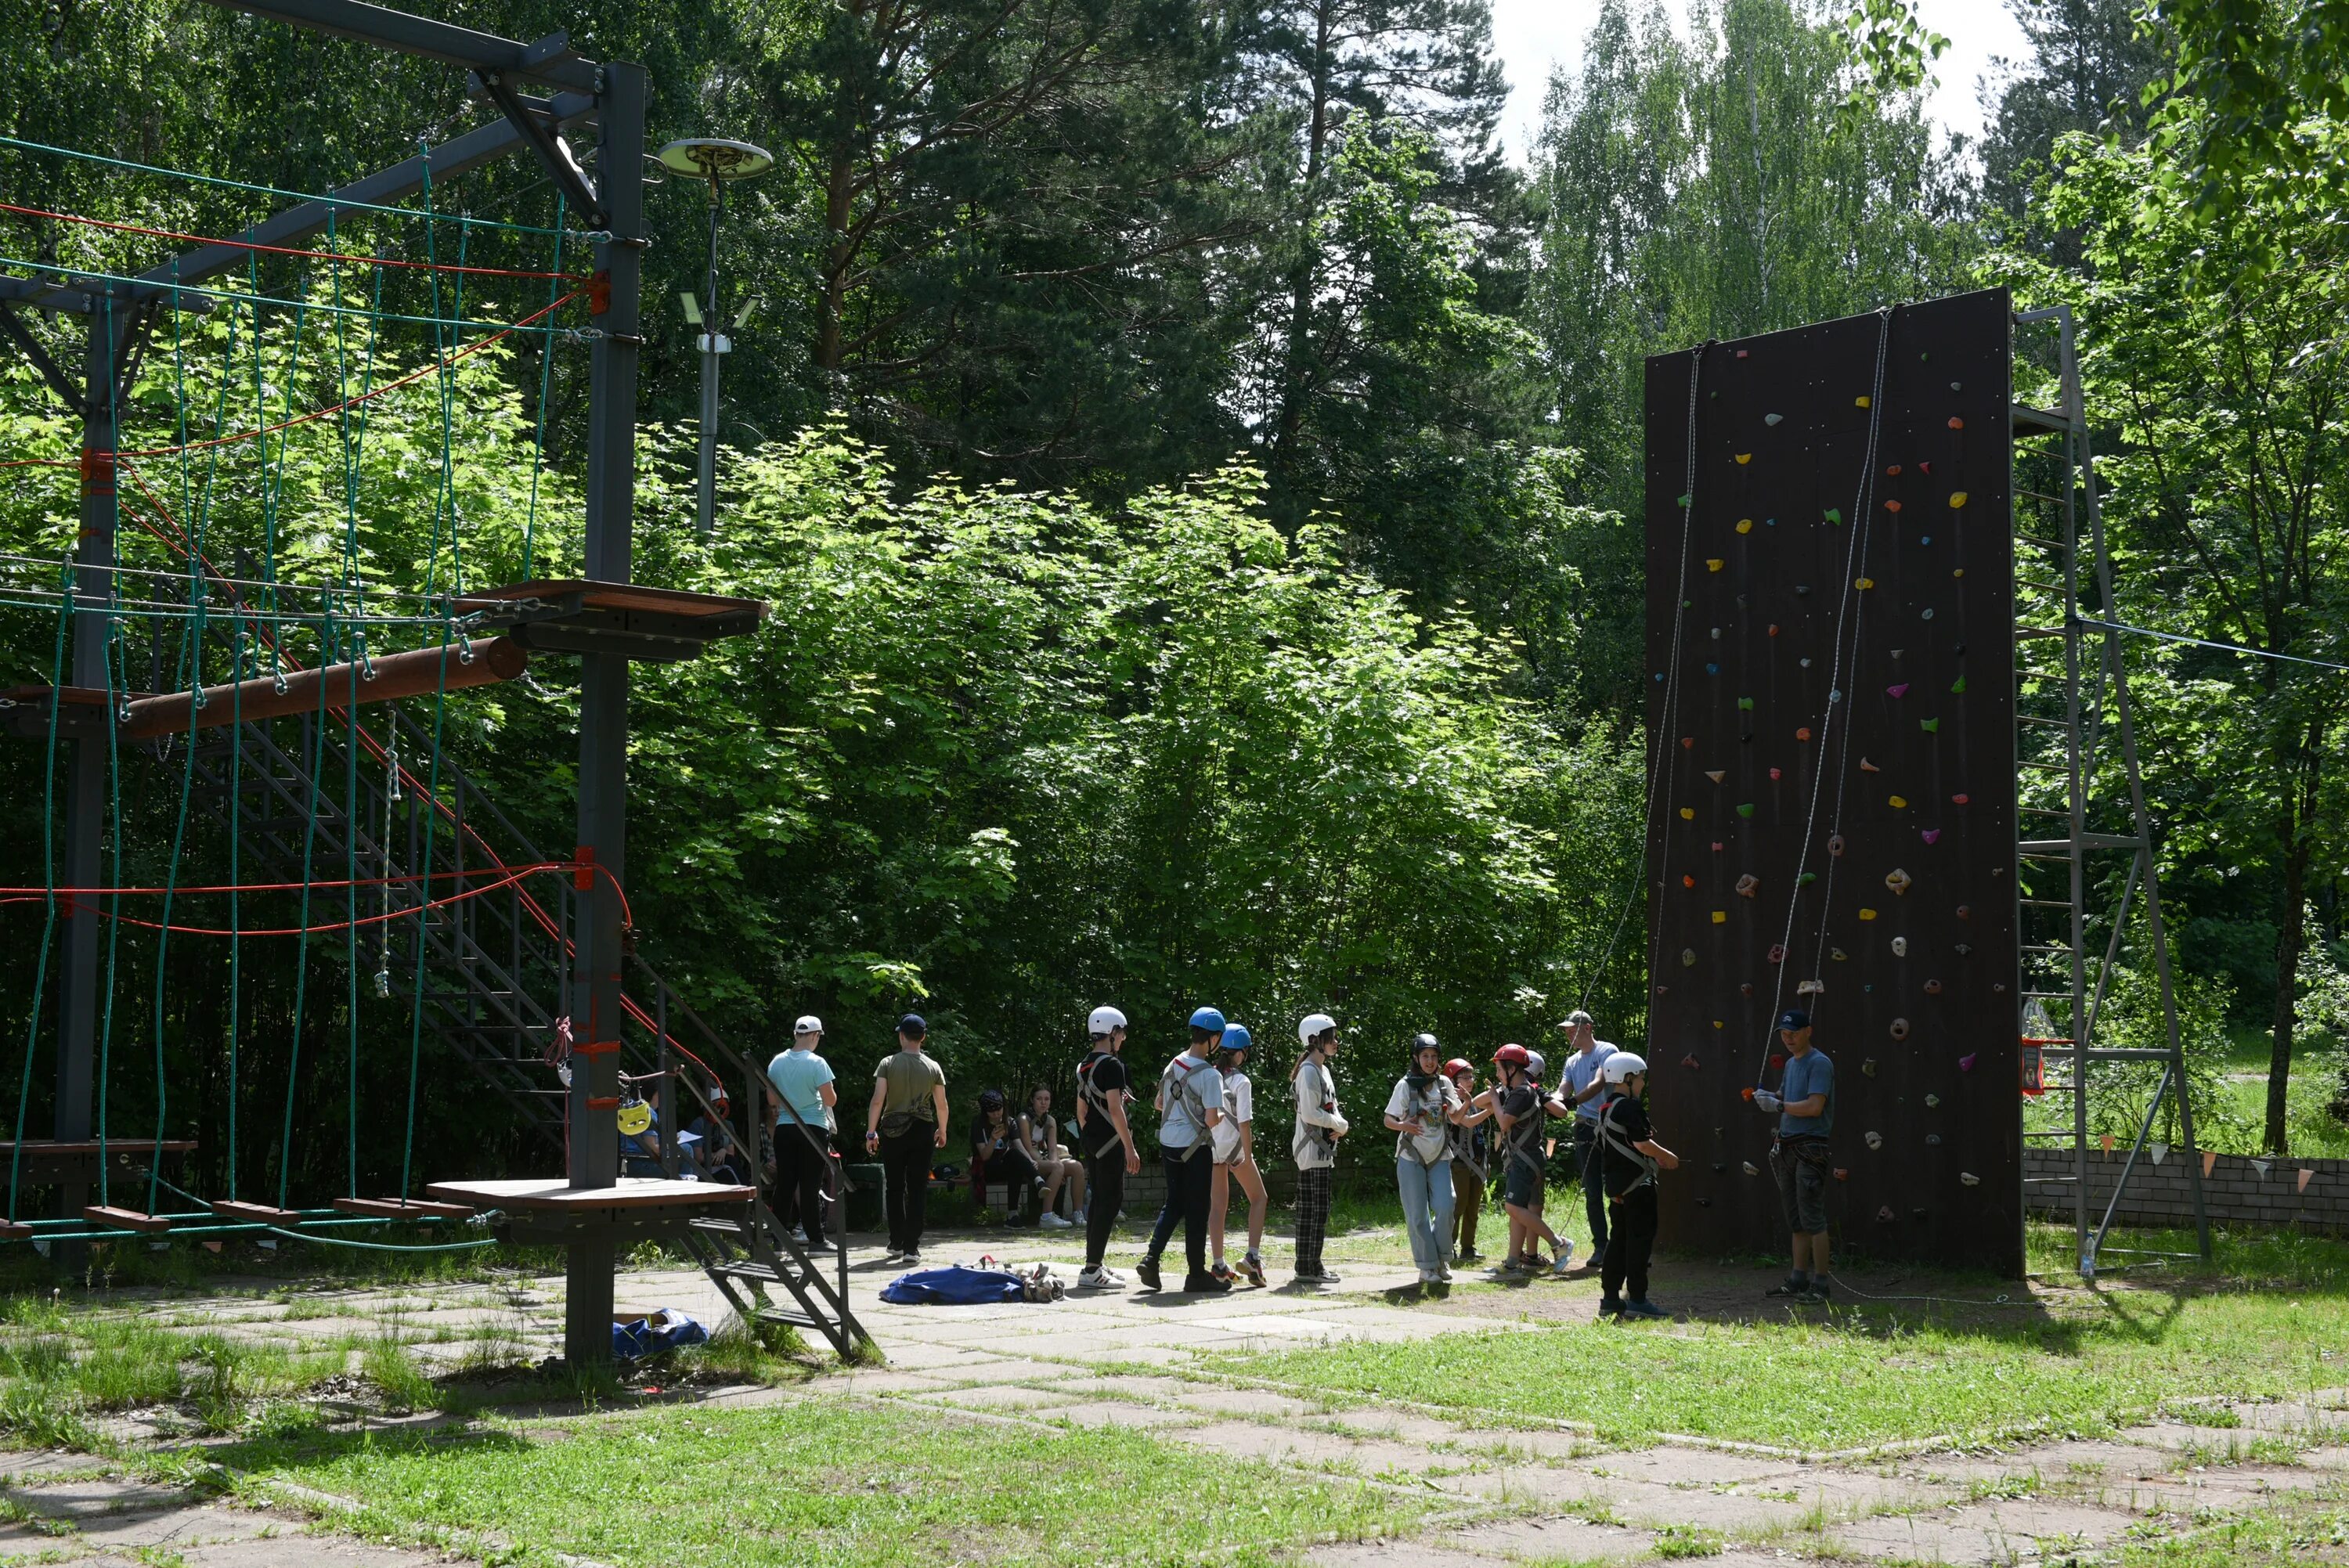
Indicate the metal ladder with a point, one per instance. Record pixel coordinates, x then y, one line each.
495 965
2071 715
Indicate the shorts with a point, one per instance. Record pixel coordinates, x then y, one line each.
1521 1182
1802 1182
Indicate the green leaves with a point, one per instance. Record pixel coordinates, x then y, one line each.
1893 53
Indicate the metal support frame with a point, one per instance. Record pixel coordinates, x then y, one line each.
2093 687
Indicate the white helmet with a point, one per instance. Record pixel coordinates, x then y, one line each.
1104 1020
1618 1068
1533 1065
1313 1024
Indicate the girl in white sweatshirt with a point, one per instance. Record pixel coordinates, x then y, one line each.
1314 1144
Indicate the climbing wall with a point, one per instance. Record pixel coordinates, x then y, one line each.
1832 819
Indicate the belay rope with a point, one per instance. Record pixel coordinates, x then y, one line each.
1849 607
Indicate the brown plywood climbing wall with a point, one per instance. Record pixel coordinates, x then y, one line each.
1831 653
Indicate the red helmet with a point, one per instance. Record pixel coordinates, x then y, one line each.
1512 1055
1456 1066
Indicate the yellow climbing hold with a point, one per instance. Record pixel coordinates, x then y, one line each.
1899 803
1688 813
1721 917
1745 457
1714 564
1957 498
1860 402
1865 583
1744 525
1867 914
1961 572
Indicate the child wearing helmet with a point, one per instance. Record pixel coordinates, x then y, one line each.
1524 1108
1314 1141
1471 1161
1626 1160
1420 1113
1103 1087
1234 1140
1190 1103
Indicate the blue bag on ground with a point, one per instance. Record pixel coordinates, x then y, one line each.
667 1329
953 1285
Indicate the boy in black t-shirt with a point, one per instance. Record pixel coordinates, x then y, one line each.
1625 1160
1103 1086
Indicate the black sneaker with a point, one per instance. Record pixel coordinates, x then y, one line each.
1146 1270
1643 1309
1610 1307
1205 1284
1816 1295
1795 1288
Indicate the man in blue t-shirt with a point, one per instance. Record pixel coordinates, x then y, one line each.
1799 1156
805 1096
1585 1088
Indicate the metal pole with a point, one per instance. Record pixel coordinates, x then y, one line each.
595 1153
713 345
2078 806
79 1002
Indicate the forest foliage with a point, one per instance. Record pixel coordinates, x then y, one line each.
1195 473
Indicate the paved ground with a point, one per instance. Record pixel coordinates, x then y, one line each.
1105 1361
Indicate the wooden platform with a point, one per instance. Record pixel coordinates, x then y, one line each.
554 1194
125 1219
580 615
254 1214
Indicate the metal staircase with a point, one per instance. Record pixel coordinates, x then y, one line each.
2072 725
494 964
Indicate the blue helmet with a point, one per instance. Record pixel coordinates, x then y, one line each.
1237 1037
1207 1018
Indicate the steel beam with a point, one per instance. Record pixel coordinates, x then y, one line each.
549 59
597 1001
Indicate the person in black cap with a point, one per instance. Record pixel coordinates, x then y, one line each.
905 1121
1799 1155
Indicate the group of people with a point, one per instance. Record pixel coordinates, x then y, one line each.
1448 1135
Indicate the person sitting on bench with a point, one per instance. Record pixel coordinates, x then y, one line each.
996 1156
1040 1140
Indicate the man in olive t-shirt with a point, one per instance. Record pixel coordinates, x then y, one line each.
905 1121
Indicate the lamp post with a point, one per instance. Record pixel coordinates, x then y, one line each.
717 161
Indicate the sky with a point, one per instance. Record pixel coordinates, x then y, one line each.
1532 35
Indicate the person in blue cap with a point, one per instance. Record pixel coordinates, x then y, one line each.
905 1124
1799 1155
1190 1104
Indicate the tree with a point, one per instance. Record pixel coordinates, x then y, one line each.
2090 64
2229 500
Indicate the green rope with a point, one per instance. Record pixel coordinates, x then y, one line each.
443 503
302 944
113 900
71 274
381 1246
332 202
546 382
49 862
235 862
423 898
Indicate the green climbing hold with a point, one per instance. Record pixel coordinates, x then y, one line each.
1958 687
1806 879
1929 726
1834 515
1745 704
1684 501
1746 809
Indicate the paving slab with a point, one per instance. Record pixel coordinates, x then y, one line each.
1986 1533
1112 1413
1006 1397
299 1550
1244 1402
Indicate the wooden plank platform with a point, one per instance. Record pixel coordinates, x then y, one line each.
11 1231
256 1214
125 1219
553 1193
402 1209
590 594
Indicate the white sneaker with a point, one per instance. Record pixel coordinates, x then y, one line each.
1048 1220
1563 1262
1100 1278
1079 1218
1428 1277
1444 1275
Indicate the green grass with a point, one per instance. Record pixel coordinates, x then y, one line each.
814 1483
1858 1378
2287 1531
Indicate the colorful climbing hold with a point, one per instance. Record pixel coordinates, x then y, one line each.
1690 1062
1956 799
1929 726
1835 843
1746 809
1897 881
1803 733
1688 743
1834 515
1867 914
1688 813
1893 506
1868 767
1745 704
1777 953
1684 501
1744 525
1899 1028
1775 775
1745 457
1860 401
1957 498
1713 669
1965 911
1961 572
1873 1140
1930 835
1894 471
1720 917
1806 879
1956 423
1714 564
1899 690
1932 987
1931 1101
1868 1068
1966 1063
1899 802
1746 884
1688 957
1865 583
1687 880
1928 468
1716 774
1958 687
1772 418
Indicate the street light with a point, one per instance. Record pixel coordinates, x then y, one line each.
716 160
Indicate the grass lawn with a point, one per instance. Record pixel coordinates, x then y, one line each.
811 1483
2272 1320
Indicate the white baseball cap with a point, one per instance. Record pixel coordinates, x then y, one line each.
809 1024
1313 1024
1103 1020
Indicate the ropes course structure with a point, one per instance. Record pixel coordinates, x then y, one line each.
267 659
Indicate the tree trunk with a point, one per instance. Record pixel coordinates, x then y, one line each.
2290 937
1303 281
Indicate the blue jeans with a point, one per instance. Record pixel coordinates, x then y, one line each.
1426 1210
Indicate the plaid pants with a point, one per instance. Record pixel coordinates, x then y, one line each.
1313 1189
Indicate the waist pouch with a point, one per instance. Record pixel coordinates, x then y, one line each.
897 1123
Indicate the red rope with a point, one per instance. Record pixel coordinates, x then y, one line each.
308 930
293 887
285 250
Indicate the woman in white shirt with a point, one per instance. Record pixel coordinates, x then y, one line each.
1235 1151
1419 1111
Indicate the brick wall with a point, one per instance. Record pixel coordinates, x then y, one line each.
2237 1190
